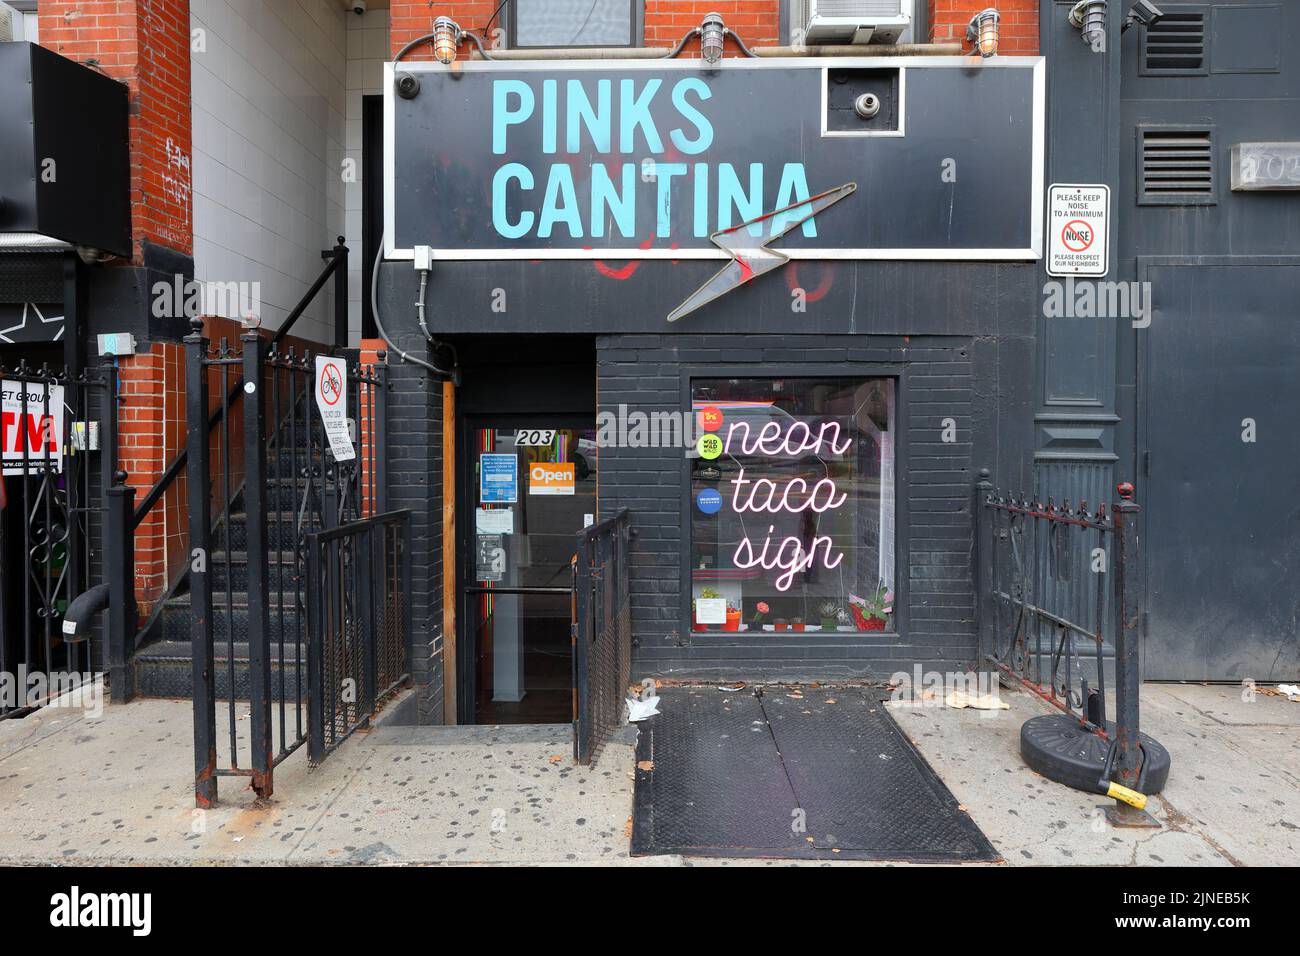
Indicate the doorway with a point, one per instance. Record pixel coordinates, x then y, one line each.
1218 392
529 486
526 472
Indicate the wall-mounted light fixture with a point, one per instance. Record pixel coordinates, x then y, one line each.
1089 18
446 39
713 35
982 31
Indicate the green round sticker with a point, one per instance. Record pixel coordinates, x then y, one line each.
710 446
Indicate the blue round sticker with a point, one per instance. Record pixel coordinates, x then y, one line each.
709 501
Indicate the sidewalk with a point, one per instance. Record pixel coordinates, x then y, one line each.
117 789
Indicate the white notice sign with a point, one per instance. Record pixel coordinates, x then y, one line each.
711 610
1078 224
30 436
332 400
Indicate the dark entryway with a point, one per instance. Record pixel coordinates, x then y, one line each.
792 772
1218 397
527 469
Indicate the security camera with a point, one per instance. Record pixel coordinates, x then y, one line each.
408 85
1144 13
357 6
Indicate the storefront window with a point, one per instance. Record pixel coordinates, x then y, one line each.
792 505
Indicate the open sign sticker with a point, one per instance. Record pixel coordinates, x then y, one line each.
551 478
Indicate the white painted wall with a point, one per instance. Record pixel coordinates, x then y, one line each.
367 51
269 99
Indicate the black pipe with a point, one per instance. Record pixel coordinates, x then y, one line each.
82 610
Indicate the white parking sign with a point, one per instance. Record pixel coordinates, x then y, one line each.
1078 225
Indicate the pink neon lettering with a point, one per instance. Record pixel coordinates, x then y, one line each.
798 439
763 495
797 559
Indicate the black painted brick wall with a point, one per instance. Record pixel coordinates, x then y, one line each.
946 377
415 482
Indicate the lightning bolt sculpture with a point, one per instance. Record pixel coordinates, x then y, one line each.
750 255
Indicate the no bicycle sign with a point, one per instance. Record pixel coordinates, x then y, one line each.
1078 223
332 400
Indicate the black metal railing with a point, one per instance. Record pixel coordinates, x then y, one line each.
602 634
258 487
1058 593
50 512
124 516
358 622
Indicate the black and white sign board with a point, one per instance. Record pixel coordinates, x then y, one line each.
1078 227
332 400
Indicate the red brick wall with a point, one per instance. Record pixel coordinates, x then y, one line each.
1018 28
146 44
757 21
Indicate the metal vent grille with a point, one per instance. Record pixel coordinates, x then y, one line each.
1175 44
866 9
1176 166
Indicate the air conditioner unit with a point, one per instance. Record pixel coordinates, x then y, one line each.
853 21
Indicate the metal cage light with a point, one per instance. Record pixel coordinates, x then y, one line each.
713 35
982 31
446 39
1089 18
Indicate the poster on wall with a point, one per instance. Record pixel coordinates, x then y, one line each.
30 436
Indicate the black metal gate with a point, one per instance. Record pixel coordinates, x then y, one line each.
297 572
50 508
358 624
602 634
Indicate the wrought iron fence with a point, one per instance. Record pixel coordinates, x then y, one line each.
260 484
1058 596
50 514
358 622
602 634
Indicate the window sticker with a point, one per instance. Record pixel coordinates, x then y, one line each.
551 478
498 479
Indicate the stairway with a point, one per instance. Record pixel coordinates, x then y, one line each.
163 665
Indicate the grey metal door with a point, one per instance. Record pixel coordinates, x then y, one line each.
1219 366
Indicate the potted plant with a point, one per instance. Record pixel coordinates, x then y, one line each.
796 624
706 594
778 624
733 618
760 611
830 612
871 614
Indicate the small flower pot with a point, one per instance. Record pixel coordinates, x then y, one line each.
797 626
829 623
733 621
778 625
865 622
